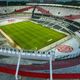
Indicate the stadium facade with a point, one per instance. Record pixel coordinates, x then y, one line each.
63 55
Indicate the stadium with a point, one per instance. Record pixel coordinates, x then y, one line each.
39 41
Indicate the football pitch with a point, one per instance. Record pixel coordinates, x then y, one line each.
31 36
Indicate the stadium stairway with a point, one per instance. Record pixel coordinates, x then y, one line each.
24 9
44 11
72 17
38 8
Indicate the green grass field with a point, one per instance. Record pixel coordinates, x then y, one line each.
31 36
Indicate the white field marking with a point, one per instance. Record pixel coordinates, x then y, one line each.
49 40
36 48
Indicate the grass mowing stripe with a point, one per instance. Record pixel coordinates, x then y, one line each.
37 32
